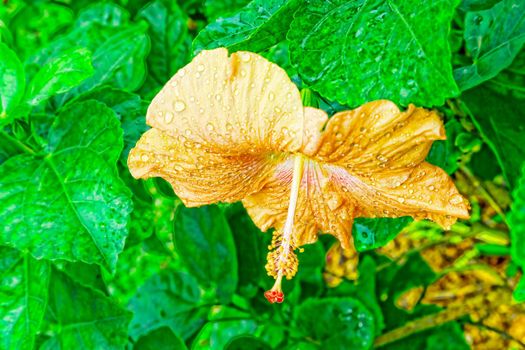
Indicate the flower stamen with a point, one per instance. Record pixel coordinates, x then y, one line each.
282 261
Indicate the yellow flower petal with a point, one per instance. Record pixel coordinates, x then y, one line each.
220 125
345 175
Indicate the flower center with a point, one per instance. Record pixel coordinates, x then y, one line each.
282 261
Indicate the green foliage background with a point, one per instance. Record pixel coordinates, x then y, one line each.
92 259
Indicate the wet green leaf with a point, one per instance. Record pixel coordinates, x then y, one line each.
79 314
351 51
60 75
500 121
256 27
493 38
374 233
69 203
170 299
12 83
205 229
337 323
168 33
23 298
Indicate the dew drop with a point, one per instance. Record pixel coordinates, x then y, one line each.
271 96
277 109
200 68
218 97
401 200
209 127
456 199
168 118
179 106
245 57
431 187
144 158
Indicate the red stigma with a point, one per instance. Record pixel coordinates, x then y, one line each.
274 296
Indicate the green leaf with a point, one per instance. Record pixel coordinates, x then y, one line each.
256 27
248 242
358 51
79 314
103 13
120 60
69 203
337 323
60 75
247 342
214 9
171 299
205 244
130 109
477 5
12 83
364 290
23 298
160 339
374 233
500 121
168 32
444 153
511 81
34 26
225 324
493 38
517 221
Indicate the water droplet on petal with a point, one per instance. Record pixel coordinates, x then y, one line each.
245 57
401 200
456 199
168 118
218 97
200 68
431 187
210 127
144 158
179 106
271 96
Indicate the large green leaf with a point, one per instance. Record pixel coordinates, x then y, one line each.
256 27
169 37
80 316
511 81
23 298
336 323
171 299
205 243
374 233
60 75
500 121
358 51
69 202
493 38
12 83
